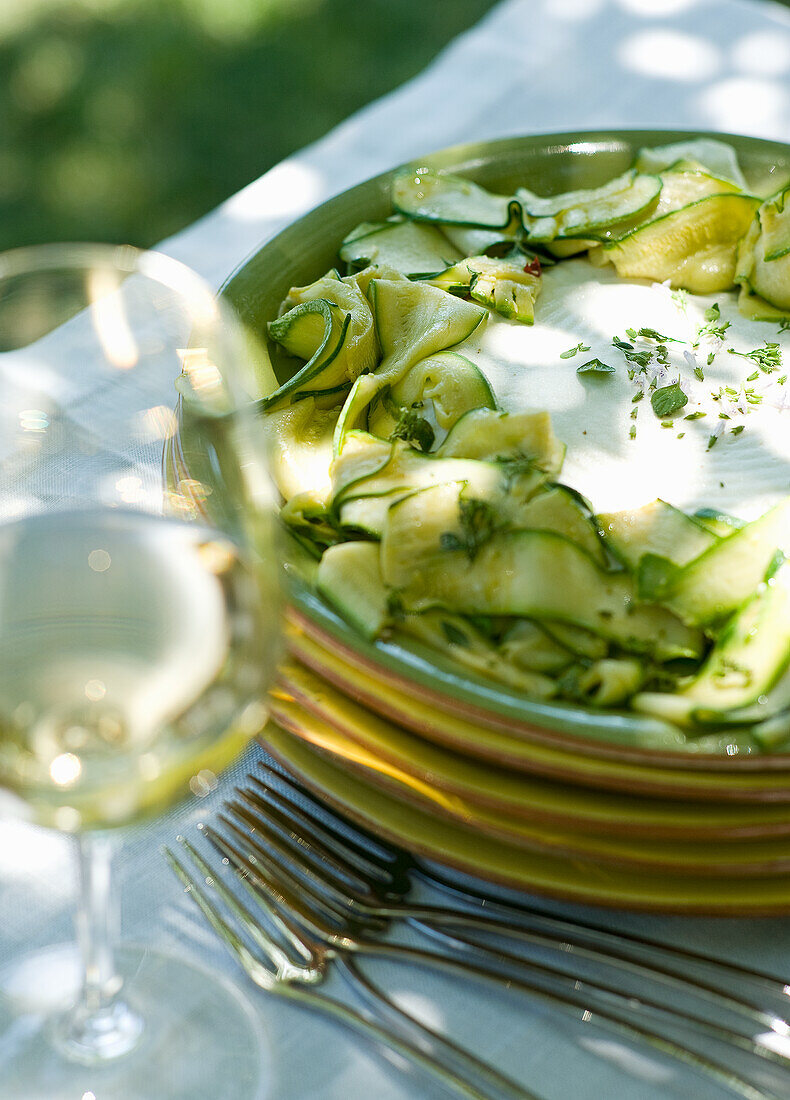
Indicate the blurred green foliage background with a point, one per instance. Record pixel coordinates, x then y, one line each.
125 120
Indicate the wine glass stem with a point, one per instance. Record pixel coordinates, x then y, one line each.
97 923
101 1026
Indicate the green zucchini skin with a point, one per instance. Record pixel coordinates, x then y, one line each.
431 196
330 324
695 247
534 574
413 249
715 584
744 678
763 262
444 520
349 576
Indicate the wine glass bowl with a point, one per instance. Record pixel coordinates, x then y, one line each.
139 618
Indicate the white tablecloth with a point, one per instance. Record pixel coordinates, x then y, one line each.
529 66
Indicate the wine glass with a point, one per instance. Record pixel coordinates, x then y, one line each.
139 618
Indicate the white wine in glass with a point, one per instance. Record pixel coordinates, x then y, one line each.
139 625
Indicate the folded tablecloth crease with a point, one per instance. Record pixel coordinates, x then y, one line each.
529 66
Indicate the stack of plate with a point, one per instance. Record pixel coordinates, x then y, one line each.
603 809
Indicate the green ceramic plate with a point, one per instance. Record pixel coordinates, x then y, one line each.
449 780
306 249
465 739
503 732
496 804
494 860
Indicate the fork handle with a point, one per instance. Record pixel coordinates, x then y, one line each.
601 946
434 1064
451 1053
614 1021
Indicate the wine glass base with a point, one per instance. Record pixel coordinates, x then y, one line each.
200 1039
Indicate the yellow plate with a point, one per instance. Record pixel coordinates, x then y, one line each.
426 675
407 706
496 861
529 797
439 783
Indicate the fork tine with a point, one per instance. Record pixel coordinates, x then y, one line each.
252 924
304 801
264 850
261 814
298 858
521 912
276 882
572 996
336 831
226 933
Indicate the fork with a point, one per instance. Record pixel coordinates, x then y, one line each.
290 962
370 879
331 919
253 863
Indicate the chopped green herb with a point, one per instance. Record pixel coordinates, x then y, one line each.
414 429
641 358
776 563
695 415
712 441
768 359
700 373
733 673
632 433
668 400
478 524
738 429
714 328
395 607
782 380
513 467
680 435
711 357
680 298
453 635
634 412
667 423
753 377
651 334
569 354
595 366
637 396
724 416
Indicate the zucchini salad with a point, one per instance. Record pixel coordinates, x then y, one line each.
549 437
